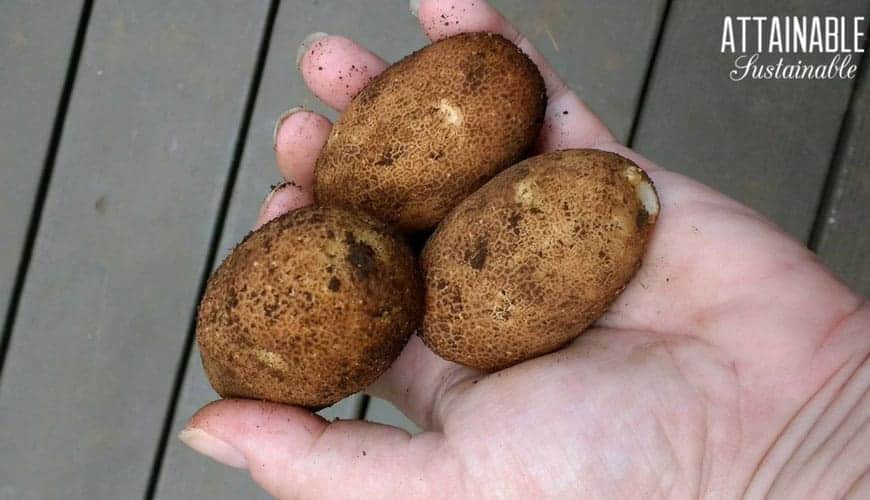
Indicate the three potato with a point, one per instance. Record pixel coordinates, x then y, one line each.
316 304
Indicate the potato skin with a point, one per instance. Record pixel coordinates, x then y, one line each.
308 309
431 129
530 260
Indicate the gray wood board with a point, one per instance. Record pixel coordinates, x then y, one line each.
844 238
767 143
601 49
35 50
390 31
383 412
125 230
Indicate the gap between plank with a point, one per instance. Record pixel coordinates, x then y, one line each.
363 406
44 181
835 168
220 221
644 89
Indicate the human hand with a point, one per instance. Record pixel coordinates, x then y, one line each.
732 365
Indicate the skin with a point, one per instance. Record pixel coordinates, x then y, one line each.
734 364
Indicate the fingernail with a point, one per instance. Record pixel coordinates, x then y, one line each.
414 5
307 42
212 447
274 189
278 123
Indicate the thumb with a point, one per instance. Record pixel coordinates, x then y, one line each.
293 453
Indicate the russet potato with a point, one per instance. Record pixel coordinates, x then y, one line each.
431 129
309 309
530 260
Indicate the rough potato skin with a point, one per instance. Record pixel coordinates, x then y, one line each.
530 260
431 129
308 309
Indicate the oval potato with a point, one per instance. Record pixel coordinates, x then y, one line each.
431 129
530 260
308 309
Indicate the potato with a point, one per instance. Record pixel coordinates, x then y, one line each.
431 129
529 261
308 309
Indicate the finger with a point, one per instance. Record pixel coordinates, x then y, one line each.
419 383
293 453
443 18
336 68
569 123
298 137
284 198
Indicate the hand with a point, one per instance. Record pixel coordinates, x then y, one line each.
733 364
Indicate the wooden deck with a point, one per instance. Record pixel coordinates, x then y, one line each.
135 151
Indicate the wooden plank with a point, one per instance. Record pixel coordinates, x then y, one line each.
118 259
601 49
605 73
35 51
383 412
843 240
767 143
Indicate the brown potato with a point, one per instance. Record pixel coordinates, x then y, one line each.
529 261
431 129
308 309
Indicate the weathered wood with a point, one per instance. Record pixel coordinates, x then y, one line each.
601 49
118 259
383 412
767 143
35 51
843 240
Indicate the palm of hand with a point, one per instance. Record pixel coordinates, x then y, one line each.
683 387
663 392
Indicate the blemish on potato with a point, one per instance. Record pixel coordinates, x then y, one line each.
647 195
642 217
514 222
523 192
633 174
477 257
360 255
452 114
271 359
475 71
